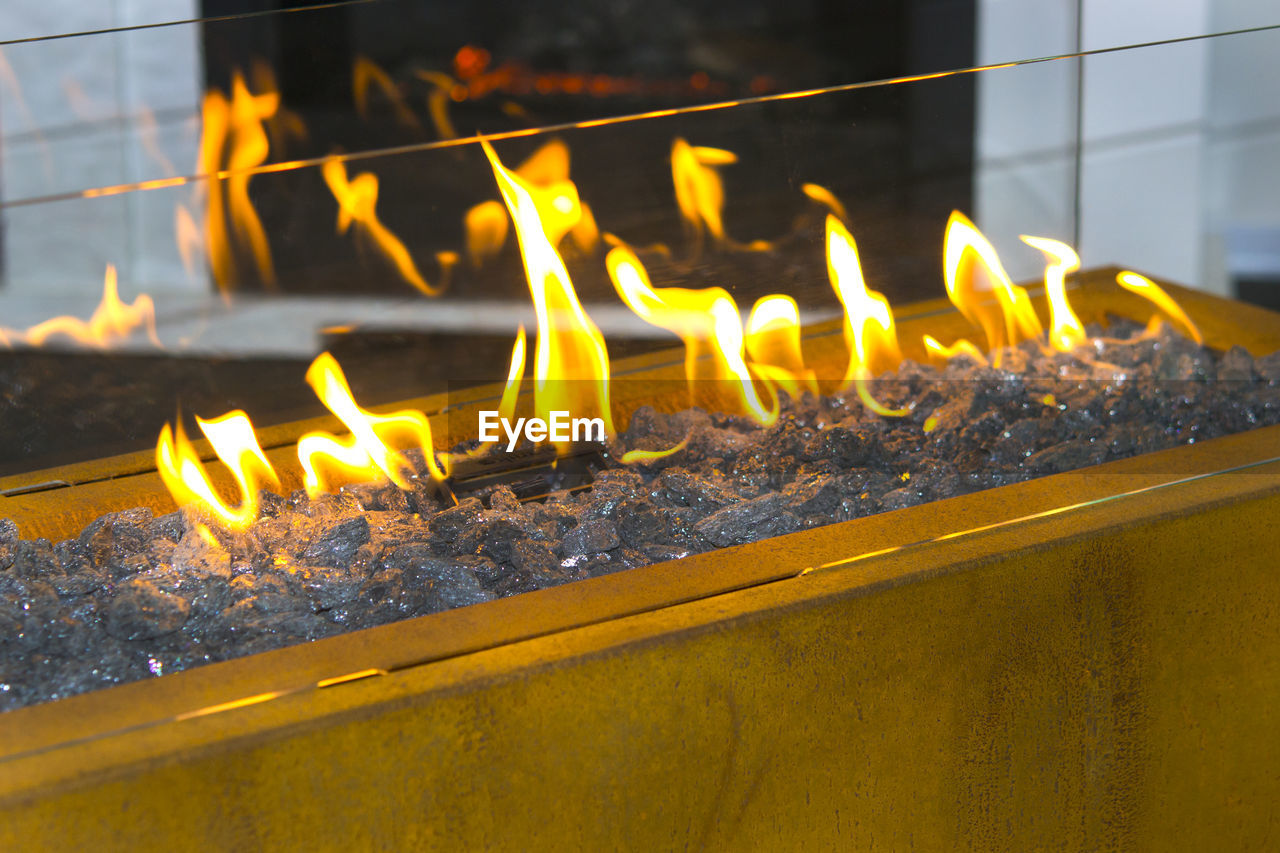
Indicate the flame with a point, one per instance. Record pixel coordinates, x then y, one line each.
569 345
236 445
357 205
364 453
961 347
869 330
235 127
438 102
699 190
546 177
1066 332
973 273
365 73
113 320
515 373
187 235
773 344
707 320
824 196
1152 292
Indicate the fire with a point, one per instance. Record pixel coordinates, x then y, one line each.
113 320
357 205
869 330
571 362
235 127
1149 290
825 197
961 347
1066 332
773 344
708 322
546 178
364 454
515 373
234 442
700 192
974 275
365 73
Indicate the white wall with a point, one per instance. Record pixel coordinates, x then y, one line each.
72 118
1179 142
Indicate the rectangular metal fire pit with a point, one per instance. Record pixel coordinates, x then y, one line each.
1089 660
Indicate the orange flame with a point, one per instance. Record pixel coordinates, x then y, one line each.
571 362
773 344
1152 292
364 453
869 329
113 320
1066 332
707 320
365 73
974 275
236 445
357 205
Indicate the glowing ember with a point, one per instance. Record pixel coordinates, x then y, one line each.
236 445
112 321
364 454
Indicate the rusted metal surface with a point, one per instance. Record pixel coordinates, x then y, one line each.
1090 660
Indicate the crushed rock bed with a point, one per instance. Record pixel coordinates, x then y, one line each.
134 596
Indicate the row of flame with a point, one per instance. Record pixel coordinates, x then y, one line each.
757 362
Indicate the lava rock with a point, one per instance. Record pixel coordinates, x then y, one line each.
748 521
336 544
591 536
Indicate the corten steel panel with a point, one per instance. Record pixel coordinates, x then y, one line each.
1092 677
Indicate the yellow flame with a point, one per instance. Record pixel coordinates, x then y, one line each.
438 102
708 322
112 320
773 344
234 442
824 196
364 453
235 127
571 362
869 329
1152 292
979 286
632 456
357 205
365 73
515 373
546 178
961 347
1066 332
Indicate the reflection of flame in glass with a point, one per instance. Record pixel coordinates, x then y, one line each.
982 290
113 320
357 205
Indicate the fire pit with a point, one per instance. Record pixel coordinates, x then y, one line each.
942 559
